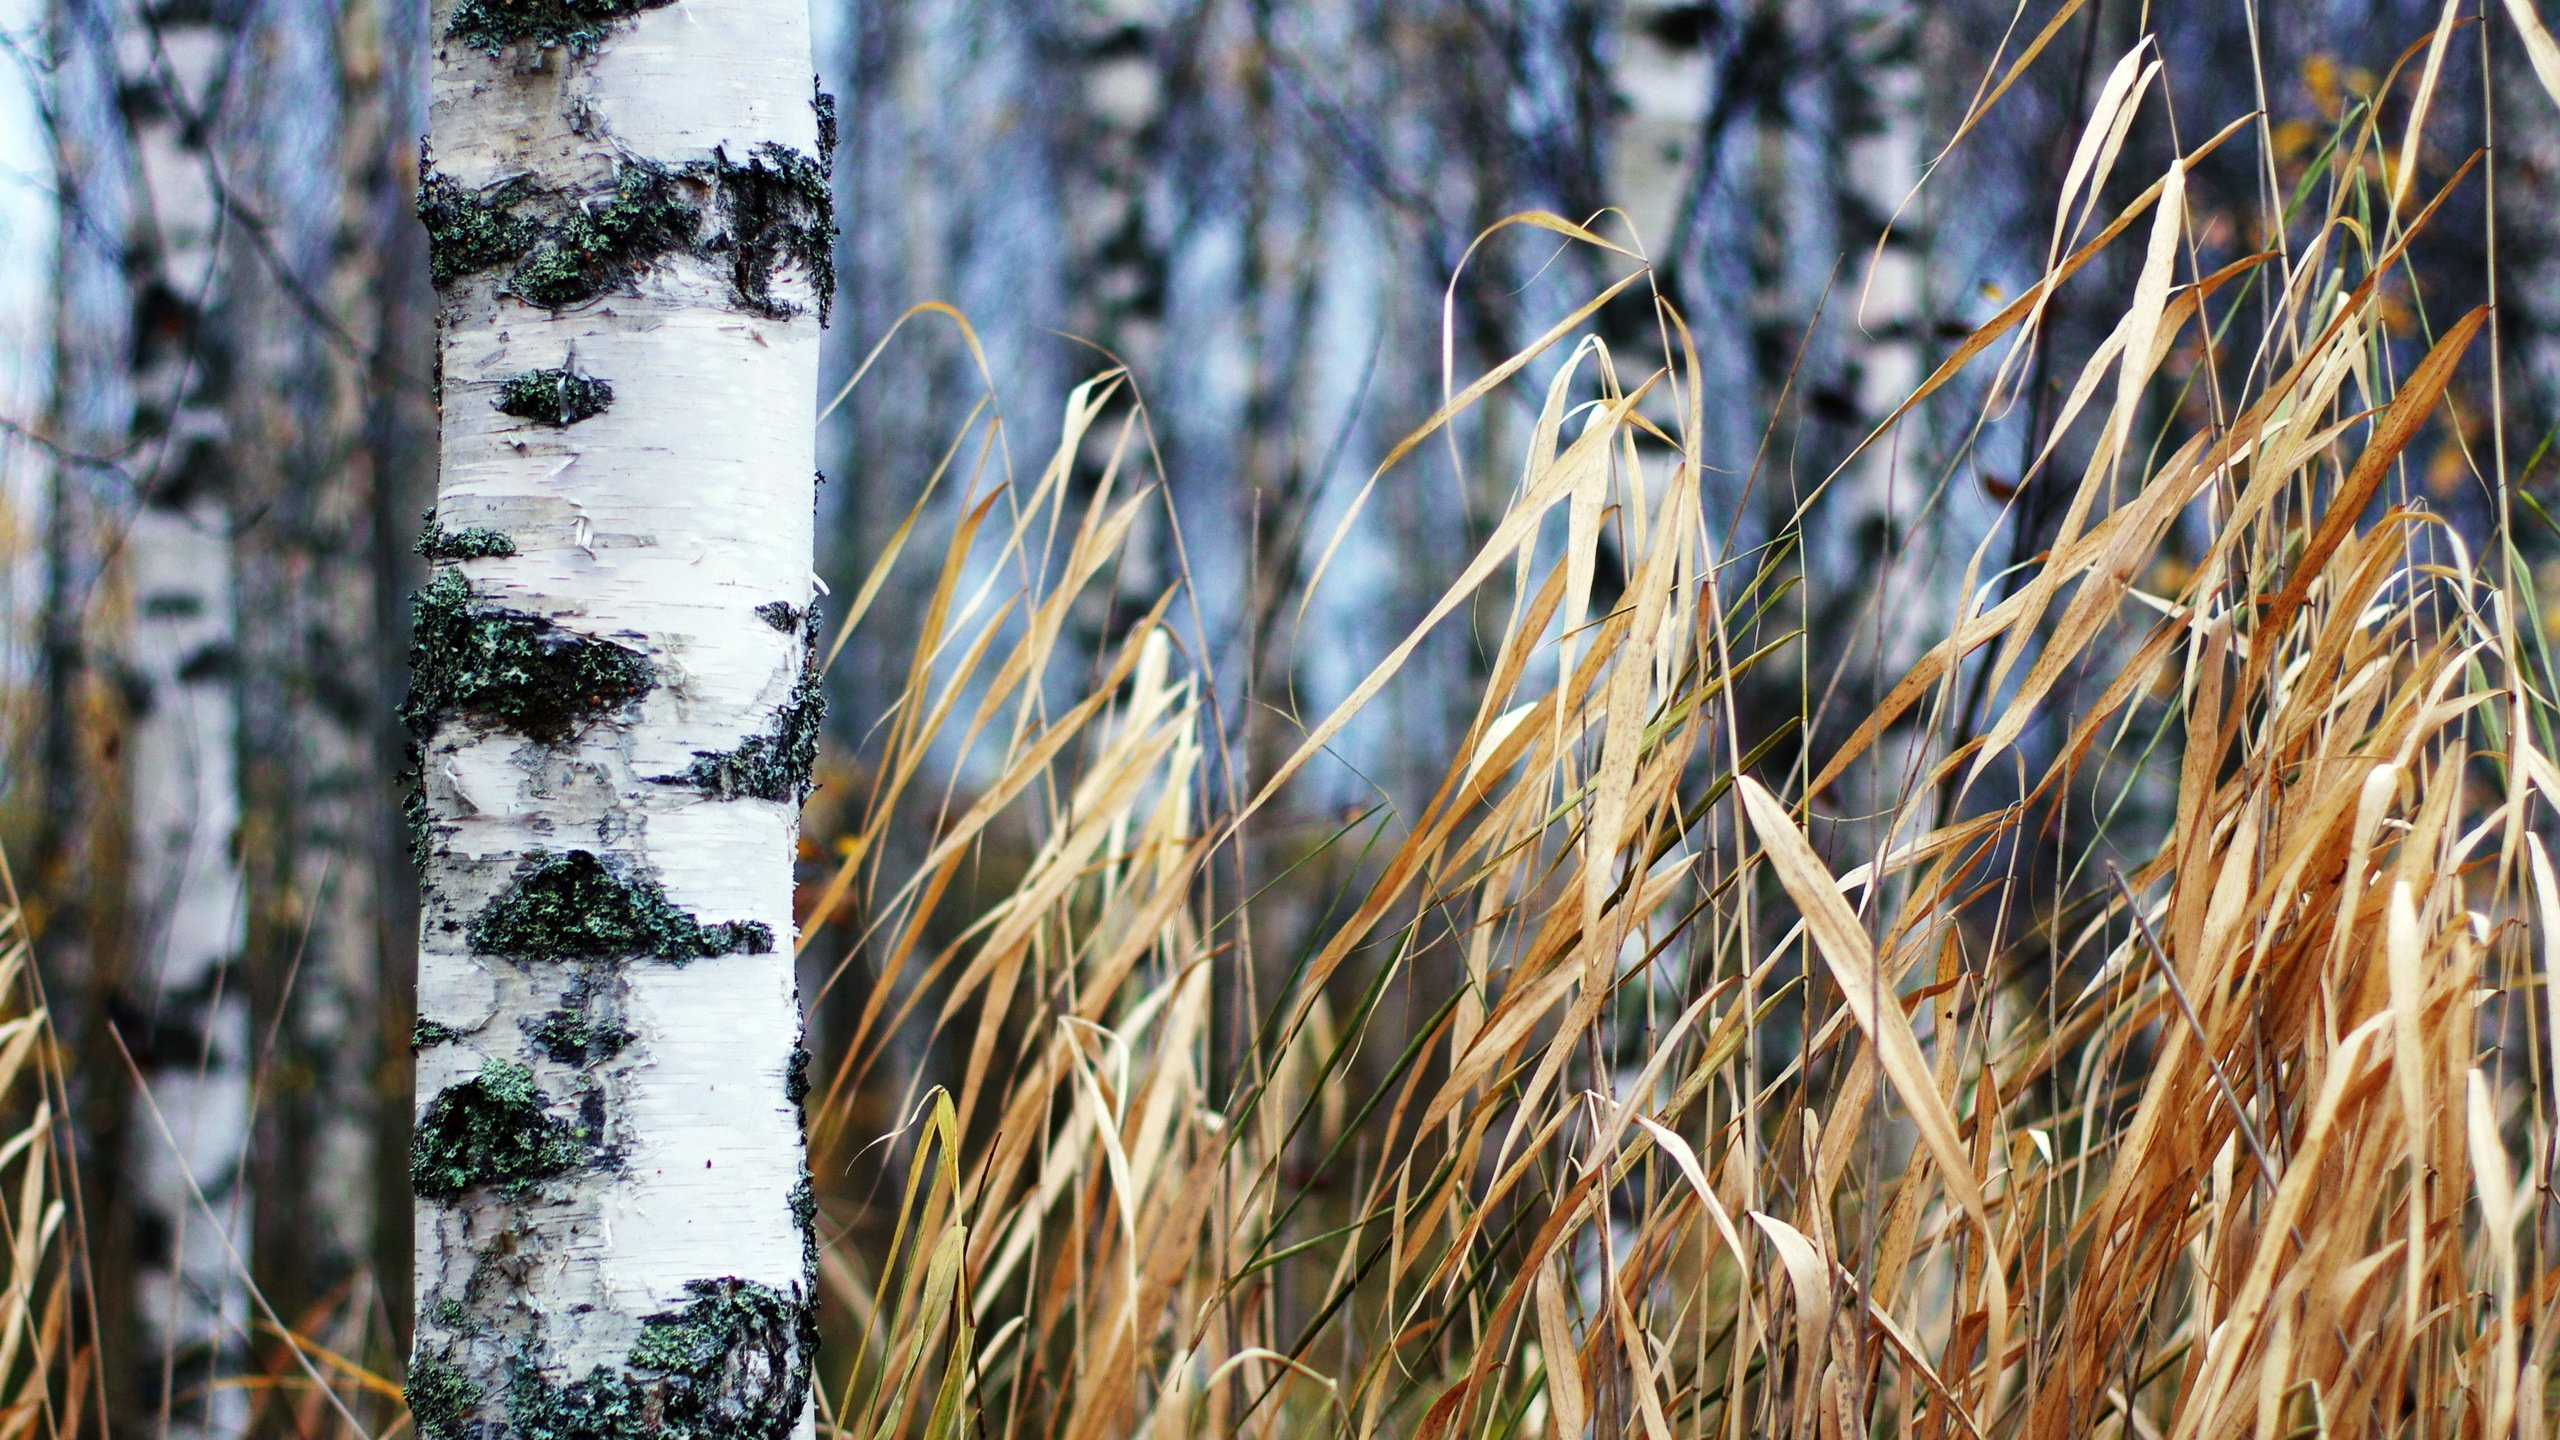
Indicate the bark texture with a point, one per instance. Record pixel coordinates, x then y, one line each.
609 694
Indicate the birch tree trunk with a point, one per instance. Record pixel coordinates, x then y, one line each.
629 224
191 1041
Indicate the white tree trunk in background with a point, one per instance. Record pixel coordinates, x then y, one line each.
612 693
191 1294
1882 164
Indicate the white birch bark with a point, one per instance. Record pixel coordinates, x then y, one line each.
612 1194
191 1297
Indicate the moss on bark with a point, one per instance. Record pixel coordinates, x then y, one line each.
575 906
731 1365
427 1034
517 670
804 1214
469 230
558 397
756 219
491 1130
573 1038
779 210
492 25
472 542
415 818
776 762
441 1398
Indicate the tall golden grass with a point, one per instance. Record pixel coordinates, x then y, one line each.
2157 1053
47 1374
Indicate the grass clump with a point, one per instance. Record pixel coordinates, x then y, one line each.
491 1130
572 905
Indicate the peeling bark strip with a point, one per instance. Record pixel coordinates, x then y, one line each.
614 712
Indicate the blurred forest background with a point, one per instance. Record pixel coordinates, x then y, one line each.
1280 222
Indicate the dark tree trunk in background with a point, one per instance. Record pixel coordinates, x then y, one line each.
75 894
311 669
393 296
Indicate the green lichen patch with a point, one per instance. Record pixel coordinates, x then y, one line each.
415 817
446 1313
574 906
442 1399
559 249
427 1034
757 219
559 397
776 762
491 1130
795 1075
824 105
493 25
517 670
781 615
467 230
804 1216
572 1038
590 248
731 1365
471 542
778 211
